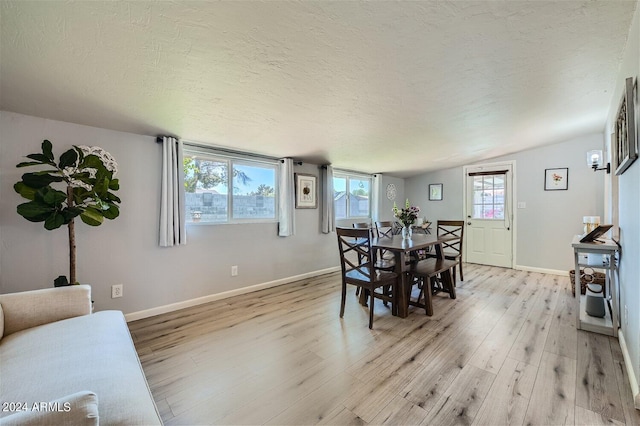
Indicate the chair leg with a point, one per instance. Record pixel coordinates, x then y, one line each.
454 276
435 284
344 296
428 296
371 309
364 294
460 266
447 282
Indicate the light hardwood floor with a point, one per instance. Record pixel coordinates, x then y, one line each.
506 351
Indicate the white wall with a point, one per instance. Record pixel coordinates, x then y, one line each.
544 229
629 208
125 250
386 205
417 189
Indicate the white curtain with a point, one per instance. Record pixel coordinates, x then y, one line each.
375 197
328 218
286 199
172 208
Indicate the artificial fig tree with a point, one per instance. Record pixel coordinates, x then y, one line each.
85 177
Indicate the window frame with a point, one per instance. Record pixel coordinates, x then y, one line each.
342 174
231 160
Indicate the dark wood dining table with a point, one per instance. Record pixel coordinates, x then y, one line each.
402 248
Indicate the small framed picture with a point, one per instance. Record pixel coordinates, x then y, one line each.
435 192
556 179
306 191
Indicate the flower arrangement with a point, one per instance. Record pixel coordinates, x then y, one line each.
407 215
86 176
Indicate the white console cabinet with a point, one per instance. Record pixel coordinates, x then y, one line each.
600 256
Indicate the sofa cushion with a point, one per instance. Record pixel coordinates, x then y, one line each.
91 352
79 409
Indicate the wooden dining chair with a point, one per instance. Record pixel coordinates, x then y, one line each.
382 259
452 249
361 272
386 229
380 262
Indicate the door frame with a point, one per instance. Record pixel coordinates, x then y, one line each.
513 191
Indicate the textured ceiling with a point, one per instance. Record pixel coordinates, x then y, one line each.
392 87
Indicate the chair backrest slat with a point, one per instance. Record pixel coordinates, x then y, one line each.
452 228
362 225
358 241
386 229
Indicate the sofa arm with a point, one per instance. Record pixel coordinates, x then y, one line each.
79 409
32 308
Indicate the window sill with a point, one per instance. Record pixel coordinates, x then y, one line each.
248 222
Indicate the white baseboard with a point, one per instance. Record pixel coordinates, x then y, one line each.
631 373
541 270
224 295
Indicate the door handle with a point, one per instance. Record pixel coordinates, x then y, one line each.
468 223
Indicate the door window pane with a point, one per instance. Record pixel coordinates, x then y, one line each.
498 181
488 197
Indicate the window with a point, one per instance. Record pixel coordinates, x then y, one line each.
488 196
351 195
224 189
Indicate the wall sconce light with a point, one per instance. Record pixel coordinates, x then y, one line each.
594 160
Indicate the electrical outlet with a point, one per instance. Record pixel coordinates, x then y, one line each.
234 271
116 290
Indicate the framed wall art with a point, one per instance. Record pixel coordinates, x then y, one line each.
626 124
556 179
306 191
435 192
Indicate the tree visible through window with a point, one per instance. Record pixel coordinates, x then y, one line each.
219 190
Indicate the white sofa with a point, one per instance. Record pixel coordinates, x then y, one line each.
61 364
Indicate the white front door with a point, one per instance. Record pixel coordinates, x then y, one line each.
489 215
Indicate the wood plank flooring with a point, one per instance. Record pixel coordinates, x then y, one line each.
505 352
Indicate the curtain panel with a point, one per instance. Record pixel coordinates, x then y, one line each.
375 197
172 202
286 199
328 217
